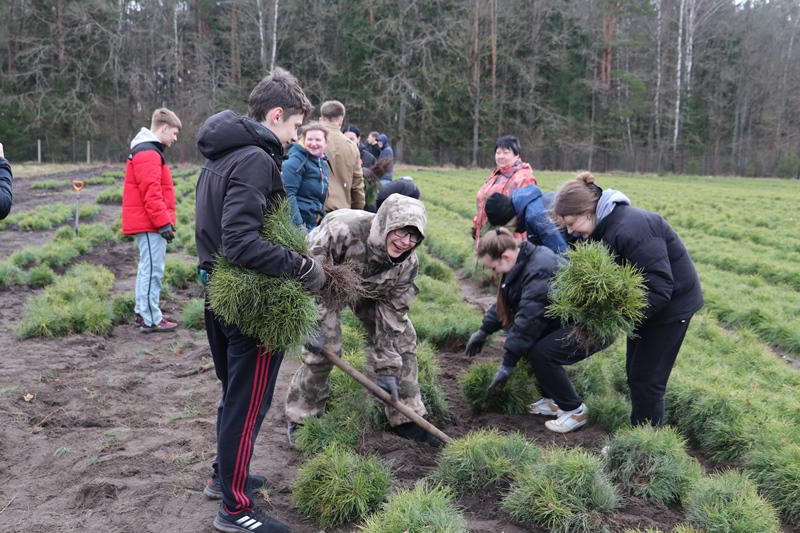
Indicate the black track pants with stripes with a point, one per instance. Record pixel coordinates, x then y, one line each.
248 374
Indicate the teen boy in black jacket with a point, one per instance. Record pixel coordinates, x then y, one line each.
234 191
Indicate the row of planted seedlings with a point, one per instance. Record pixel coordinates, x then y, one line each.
748 270
724 223
731 397
68 303
557 488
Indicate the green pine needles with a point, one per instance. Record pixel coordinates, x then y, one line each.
275 310
339 486
603 298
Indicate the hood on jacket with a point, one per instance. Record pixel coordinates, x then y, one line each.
397 212
607 202
384 139
145 136
524 195
226 131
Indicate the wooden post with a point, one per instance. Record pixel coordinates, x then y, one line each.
39 150
88 152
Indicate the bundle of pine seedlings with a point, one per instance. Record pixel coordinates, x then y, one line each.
372 179
603 298
275 310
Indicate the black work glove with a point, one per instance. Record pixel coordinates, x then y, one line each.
389 384
311 274
167 231
315 342
500 379
474 233
476 342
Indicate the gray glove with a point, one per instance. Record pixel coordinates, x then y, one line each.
167 231
301 229
476 342
311 274
500 379
389 384
315 342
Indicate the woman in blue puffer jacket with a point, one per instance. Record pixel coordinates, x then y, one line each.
305 175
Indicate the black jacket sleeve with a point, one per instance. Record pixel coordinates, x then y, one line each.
529 320
5 187
243 213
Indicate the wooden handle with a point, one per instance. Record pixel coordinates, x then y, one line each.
348 369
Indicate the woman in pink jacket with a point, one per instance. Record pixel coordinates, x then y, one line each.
510 174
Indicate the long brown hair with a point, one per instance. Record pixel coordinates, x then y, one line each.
493 245
576 197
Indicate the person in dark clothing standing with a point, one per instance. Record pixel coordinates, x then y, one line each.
354 134
234 191
645 240
6 179
386 152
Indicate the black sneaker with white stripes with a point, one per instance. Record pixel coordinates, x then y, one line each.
250 520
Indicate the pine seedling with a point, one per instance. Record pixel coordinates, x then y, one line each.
512 399
339 486
729 501
482 458
275 310
11 274
430 384
777 472
651 463
41 276
193 314
603 298
564 491
425 508
123 307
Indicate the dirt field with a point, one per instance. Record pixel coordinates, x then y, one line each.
116 433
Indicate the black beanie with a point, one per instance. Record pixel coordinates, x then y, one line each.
499 209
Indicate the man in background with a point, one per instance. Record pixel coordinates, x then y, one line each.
148 212
354 134
346 187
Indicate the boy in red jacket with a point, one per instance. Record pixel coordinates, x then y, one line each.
148 211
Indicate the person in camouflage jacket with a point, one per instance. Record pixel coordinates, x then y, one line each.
381 247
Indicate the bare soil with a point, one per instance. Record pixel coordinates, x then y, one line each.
115 433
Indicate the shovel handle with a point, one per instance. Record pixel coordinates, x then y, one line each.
383 395
78 186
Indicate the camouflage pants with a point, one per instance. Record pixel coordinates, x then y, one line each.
308 391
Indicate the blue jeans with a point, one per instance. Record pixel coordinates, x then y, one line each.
152 256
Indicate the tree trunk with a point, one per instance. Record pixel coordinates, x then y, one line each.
476 85
678 79
262 30
657 97
274 37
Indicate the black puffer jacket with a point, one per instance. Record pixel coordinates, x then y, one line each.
646 240
526 288
5 187
237 183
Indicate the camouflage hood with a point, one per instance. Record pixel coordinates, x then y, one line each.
396 212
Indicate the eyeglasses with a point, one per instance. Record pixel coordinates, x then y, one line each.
412 236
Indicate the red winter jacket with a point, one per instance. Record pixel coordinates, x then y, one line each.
148 196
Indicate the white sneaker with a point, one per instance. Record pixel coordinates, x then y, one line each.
546 407
569 421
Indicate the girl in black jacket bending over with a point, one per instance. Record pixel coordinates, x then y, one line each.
522 298
644 240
